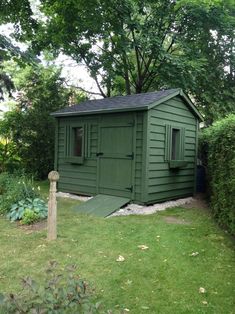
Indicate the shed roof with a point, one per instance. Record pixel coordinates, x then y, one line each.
134 102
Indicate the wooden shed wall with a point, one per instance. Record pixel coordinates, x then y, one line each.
82 179
163 183
76 178
139 156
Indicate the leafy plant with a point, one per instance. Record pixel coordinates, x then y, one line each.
217 149
14 188
9 160
59 293
28 207
29 217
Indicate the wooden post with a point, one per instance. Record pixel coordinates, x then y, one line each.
53 176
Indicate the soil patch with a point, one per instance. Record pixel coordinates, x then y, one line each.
38 226
199 201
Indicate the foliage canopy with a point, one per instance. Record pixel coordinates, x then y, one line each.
29 127
137 46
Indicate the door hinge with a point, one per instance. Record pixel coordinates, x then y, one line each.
129 189
130 156
99 154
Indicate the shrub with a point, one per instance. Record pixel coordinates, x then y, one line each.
9 160
217 146
59 293
14 188
28 207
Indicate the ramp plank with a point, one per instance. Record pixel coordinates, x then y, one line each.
101 205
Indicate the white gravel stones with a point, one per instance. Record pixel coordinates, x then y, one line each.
73 196
135 209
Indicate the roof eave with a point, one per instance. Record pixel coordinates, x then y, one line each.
83 113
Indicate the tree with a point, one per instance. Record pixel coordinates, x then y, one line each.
137 46
134 46
29 126
19 14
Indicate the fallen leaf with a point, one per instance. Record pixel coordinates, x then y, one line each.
126 310
145 307
143 247
202 290
128 282
204 302
120 258
194 254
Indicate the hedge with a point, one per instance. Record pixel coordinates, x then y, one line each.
217 146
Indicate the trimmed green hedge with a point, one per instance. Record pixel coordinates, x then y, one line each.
217 146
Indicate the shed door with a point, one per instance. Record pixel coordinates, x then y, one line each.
115 160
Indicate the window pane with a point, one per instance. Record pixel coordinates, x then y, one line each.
77 147
175 144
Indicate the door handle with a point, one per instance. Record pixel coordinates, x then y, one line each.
130 156
99 154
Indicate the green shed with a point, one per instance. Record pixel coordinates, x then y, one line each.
142 147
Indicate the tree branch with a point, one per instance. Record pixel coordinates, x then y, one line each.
94 76
83 89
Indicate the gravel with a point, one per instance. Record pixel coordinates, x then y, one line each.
73 196
134 209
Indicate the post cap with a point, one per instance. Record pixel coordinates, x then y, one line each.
53 175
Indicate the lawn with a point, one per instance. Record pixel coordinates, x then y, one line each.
164 278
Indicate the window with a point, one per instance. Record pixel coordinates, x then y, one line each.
77 146
175 144
74 144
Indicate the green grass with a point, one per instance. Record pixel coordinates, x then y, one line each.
162 279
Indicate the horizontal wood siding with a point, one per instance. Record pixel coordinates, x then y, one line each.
82 178
162 182
78 178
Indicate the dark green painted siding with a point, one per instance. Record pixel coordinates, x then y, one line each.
84 178
137 178
73 177
162 182
152 179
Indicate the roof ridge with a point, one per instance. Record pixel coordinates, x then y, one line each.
126 96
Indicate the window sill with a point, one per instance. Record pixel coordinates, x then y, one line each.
74 160
177 164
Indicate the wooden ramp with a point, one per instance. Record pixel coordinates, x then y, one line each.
101 205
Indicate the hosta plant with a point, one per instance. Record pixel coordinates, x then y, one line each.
36 205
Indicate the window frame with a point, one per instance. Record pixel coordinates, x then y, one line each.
69 144
179 161
175 145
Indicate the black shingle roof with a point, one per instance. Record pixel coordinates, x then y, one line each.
118 103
